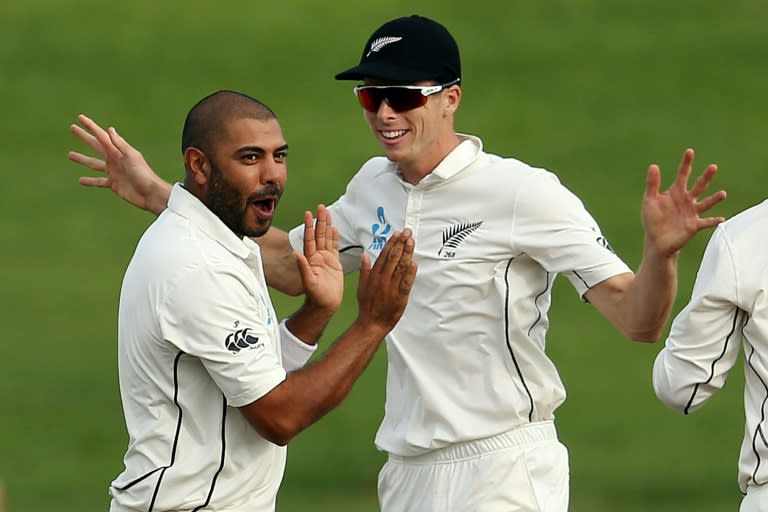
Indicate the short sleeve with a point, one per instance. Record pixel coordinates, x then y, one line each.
219 317
552 226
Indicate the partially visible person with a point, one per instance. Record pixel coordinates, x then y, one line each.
212 384
471 393
728 311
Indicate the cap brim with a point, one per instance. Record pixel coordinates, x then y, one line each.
383 71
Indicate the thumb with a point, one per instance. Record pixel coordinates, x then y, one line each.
304 269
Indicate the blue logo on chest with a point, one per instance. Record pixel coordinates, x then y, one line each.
380 231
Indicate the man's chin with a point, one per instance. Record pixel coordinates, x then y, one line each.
257 231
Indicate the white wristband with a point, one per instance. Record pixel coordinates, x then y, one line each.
296 353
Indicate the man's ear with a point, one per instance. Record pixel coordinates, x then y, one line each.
453 96
197 165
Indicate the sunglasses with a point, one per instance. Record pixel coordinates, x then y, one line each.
399 97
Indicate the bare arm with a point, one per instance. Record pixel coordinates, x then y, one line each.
125 171
309 393
280 266
639 305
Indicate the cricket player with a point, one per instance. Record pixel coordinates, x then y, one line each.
471 393
212 384
728 311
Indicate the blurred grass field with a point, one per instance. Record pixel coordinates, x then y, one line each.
593 90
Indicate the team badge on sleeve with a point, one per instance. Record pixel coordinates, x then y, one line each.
601 240
242 339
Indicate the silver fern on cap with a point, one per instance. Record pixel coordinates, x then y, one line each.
379 43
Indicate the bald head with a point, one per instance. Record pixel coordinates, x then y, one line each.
211 116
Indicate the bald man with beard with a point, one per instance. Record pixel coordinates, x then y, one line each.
213 385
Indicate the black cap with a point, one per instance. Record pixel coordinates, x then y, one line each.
408 49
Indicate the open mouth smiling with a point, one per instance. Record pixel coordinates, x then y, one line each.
392 134
265 205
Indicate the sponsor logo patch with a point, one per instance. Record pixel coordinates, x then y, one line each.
604 242
380 231
242 339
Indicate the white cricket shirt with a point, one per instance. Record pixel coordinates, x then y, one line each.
197 338
467 360
728 310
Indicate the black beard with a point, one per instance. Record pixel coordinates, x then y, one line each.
230 206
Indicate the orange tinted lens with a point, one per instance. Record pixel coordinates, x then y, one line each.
369 99
398 98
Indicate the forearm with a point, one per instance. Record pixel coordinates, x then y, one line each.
639 304
332 376
311 392
280 266
309 322
308 394
651 296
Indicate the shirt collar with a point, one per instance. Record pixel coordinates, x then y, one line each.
184 203
460 157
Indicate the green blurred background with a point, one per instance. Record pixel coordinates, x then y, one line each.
593 90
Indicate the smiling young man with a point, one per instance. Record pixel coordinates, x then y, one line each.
212 385
471 393
416 138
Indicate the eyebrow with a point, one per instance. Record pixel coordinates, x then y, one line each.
259 150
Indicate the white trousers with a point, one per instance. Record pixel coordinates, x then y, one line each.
523 470
756 499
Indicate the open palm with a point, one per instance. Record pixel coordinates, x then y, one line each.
320 268
673 217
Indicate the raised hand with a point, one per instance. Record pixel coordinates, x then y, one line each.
125 171
673 217
319 266
383 291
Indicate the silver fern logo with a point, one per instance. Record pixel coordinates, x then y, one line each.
381 42
454 236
